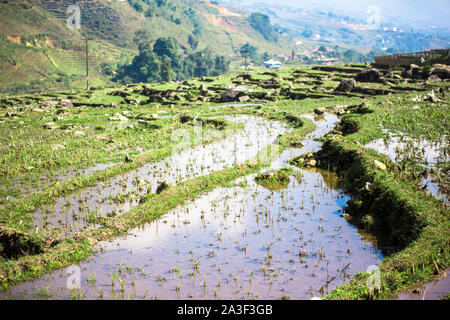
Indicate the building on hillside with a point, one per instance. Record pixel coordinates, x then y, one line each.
272 64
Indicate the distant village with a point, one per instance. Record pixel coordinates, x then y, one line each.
319 56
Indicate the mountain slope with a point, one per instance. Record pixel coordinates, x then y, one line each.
39 52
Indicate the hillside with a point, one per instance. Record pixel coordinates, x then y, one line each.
39 52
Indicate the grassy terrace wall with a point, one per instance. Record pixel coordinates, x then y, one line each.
416 225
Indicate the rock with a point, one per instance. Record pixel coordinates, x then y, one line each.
162 186
379 165
416 291
79 133
66 103
339 110
114 105
346 85
434 78
370 75
10 115
128 158
230 96
312 163
319 111
431 97
118 117
50 126
407 73
442 73
297 144
244 99
48 104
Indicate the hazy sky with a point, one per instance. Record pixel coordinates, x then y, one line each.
415 12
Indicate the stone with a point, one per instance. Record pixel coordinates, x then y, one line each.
48 104
230 96
370 75
66 103
319 111
118 117
50 126
434 78
128 158
312 163
244 98
442 73
379 165
346 85
162 186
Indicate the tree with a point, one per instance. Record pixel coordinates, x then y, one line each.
161 3
261 23
221 65
166 47
142 38
192 41
250 51
166 69
164 63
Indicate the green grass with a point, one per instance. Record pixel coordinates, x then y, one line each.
391 207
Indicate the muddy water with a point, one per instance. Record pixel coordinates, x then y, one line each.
435 189
399 148
123 192
434 290
47 180
239 242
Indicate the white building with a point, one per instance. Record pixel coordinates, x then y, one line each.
272 64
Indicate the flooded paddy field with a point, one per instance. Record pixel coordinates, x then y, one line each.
241 242
245 241
124 192
128 226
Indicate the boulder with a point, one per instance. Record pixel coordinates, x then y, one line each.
442 73
319 111
162 186
370 75
244 99
48 104
346 85
230 96
379 165
50 125
66 103
434 78
118 117
312 163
